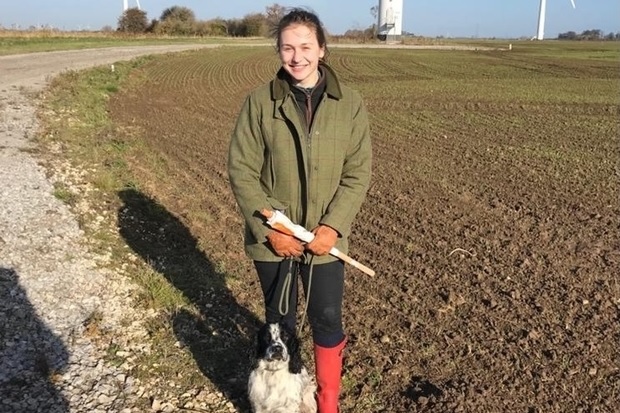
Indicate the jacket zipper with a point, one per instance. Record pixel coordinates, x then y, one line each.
309 128
309 115
309 148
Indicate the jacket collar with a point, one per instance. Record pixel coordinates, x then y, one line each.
280 86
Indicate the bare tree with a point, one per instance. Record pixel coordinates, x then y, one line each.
374 11
273 14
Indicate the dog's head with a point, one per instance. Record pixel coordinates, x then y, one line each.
278 346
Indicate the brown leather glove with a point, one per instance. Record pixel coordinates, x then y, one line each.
325 238
285 245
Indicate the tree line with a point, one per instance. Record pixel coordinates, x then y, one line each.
181 21
589 35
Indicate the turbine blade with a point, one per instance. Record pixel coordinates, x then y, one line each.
573 3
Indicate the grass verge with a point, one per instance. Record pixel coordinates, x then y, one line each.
88 156
18 42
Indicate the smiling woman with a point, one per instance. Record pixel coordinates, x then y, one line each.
302 145
301 48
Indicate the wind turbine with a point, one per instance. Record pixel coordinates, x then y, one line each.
541 18
126 4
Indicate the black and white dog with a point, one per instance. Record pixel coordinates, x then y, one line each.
279 383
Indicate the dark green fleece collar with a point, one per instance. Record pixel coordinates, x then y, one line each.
280 85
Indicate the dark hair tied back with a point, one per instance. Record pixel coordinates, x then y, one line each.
300 16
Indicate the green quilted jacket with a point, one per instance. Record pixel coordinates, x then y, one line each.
315 177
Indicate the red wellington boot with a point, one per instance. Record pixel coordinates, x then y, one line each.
328 371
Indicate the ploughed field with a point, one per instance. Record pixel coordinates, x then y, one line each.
492 222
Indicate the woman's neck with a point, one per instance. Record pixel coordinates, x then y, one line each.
310 82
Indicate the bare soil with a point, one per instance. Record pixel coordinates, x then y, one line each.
494 232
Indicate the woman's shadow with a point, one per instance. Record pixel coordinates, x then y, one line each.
221 337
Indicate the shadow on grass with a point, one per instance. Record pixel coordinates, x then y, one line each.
221 336
31 355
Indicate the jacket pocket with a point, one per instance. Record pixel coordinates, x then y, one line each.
275 204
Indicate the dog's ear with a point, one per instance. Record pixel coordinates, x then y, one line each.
294 350
262 341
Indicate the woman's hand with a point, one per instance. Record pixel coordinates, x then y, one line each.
325 238
285 245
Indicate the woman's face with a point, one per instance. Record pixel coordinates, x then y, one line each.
300 54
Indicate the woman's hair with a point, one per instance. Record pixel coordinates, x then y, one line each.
304 17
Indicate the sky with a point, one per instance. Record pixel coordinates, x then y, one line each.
449 18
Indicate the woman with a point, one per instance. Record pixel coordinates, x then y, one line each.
301 145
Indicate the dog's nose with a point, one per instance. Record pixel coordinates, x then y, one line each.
276 352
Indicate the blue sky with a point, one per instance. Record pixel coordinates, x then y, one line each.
451 18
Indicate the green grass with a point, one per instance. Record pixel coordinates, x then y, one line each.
158 292
31 42
63 193
604 50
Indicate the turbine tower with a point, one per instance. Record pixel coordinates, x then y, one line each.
540 34
126 4
390 16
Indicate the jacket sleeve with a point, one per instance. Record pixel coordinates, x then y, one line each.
245 161
355 177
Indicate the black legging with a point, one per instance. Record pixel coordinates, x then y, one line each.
324 307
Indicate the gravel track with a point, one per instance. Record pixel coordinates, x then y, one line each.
52 291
